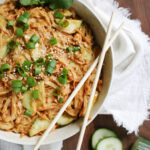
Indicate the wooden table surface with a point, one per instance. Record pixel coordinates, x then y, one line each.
140 9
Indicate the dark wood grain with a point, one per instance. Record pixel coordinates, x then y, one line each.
140 10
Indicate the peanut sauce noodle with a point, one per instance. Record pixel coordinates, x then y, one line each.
68 43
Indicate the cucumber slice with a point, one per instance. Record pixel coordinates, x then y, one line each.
73 26
36 53
64 120
110 143
141 144
3 52
100 134
27 99
38 126
41 88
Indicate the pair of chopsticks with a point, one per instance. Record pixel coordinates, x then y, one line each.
99 60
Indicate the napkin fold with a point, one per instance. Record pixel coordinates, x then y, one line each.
129 97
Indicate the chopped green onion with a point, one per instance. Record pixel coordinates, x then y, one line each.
63 78
28 113
22 19
27 65
36 94
30 45
24 89
40 62
5 67
37 70
57 92
51 66
34 38
17 83
19 32
26 15
73 49
69 49
21 71
2 75
59 15
65 72
52 63
12 44
76 48
31 81
25 27
16 89
61 100
10 24
53 41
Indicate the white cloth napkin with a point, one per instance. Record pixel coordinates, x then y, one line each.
129 97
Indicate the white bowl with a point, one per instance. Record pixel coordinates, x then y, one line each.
65 132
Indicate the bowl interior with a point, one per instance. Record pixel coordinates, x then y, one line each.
63 133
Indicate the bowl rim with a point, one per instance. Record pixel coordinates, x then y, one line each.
9 138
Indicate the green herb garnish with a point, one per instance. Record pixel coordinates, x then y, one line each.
21 70
16 85
63 78
28 113
61 100
76 48
2 75
23 19
26 65
5 67
59 15
10 24
40 62
24 89
25 27
53 41
73 49
31 82
13 44
30 45
36 94
37 70
51 66
34 38
69 49
19 32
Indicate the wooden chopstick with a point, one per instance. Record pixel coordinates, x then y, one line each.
105 48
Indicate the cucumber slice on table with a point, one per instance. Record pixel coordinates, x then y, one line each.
110 143
100 134
141 144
